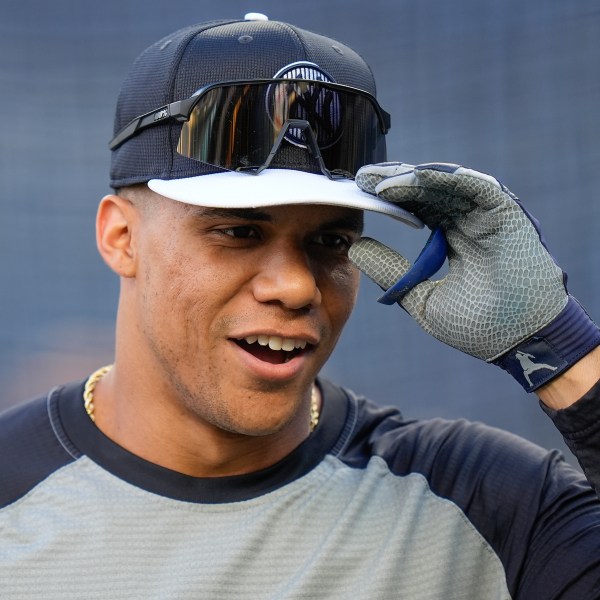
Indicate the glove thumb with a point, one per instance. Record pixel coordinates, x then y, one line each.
394 273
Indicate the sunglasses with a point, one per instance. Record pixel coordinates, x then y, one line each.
241 125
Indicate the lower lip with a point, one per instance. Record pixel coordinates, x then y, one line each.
274 372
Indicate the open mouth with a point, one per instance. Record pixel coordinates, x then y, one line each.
273 349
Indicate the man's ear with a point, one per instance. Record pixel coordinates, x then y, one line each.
115 223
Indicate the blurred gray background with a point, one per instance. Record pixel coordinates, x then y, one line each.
507 87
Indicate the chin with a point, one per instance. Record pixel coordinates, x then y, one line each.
256 424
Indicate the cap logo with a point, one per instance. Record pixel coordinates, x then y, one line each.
320 107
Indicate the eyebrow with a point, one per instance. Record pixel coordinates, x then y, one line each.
354 221
247 214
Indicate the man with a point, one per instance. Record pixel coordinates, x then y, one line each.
210 461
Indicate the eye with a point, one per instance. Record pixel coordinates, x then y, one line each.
242 232
334 241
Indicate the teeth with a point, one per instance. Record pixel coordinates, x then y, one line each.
276 342
287 345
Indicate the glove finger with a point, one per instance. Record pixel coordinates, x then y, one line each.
484 190
436 208
385 266
369 176
443 194
378 262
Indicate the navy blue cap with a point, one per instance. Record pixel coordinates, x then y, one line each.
178 65
175 67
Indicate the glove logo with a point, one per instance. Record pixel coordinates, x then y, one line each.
528 366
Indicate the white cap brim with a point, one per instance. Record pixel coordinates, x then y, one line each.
275 187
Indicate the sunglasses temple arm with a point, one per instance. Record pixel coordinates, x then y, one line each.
125 133
176 110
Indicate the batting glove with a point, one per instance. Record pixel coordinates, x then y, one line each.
504 299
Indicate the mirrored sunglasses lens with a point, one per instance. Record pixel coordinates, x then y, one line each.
236 126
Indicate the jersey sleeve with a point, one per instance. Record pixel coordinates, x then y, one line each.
579 425
538 513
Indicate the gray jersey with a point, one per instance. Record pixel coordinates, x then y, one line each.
369 506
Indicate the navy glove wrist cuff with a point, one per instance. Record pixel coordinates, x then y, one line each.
553 349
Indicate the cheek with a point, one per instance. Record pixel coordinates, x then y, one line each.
177 298
341 291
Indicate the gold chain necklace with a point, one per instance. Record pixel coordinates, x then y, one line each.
90 386
96 376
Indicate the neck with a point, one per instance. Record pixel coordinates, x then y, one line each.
165 434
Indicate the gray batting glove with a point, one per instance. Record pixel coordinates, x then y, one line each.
504 299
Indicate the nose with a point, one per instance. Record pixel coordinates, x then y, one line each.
287 276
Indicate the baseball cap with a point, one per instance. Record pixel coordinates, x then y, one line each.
212 79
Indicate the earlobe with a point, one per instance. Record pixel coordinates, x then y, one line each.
114 234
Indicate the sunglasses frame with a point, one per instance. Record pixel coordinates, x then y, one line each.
182 109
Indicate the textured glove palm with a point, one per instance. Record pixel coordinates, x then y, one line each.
504 299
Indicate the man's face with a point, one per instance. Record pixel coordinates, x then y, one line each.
239 309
